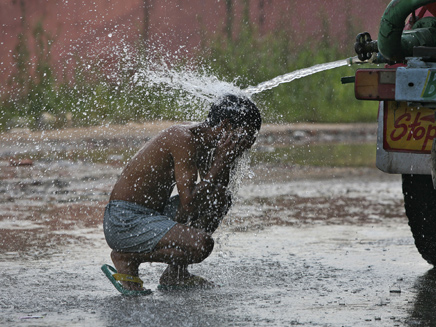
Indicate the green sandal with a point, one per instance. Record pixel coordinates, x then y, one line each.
116 279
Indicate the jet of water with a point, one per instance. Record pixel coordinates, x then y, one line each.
289 77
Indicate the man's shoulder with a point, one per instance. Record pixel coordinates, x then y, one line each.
179 132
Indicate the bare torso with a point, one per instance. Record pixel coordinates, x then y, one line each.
149 178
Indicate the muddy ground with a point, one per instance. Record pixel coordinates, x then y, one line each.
302 246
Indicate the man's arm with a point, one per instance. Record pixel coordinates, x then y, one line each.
230 147
186 175
211 190
197 197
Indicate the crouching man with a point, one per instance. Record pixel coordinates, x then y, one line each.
144 223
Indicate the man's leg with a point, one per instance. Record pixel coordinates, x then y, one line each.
212 210
196 246
181 246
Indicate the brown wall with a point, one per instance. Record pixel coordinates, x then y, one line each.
84 26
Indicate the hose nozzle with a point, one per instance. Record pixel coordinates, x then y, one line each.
365 46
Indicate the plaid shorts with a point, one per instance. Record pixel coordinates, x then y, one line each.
130 227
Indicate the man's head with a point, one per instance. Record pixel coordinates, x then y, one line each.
239 111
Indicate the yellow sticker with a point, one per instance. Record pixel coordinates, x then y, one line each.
408 129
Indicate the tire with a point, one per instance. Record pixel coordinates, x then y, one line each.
420 205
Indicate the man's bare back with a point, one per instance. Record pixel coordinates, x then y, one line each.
149 178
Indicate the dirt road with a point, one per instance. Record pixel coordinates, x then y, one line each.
301 246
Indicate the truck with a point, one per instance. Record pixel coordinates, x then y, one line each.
403 83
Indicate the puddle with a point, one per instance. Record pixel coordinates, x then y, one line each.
303 246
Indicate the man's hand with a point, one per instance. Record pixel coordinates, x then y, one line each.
231 145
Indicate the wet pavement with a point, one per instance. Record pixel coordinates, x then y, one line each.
303 246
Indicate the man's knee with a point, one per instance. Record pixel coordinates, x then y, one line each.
204 247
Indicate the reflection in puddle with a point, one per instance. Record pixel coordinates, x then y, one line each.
423 312
48 227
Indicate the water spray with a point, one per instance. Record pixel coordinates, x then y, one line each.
289 77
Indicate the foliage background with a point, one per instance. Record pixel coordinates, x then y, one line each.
40 99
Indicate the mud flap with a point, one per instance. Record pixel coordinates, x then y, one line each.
433 163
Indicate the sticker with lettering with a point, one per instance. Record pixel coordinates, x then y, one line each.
429 90
408 129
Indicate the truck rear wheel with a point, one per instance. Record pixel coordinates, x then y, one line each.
420 205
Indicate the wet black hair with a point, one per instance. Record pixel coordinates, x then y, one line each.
239 110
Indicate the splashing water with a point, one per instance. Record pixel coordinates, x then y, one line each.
286 78
192 85
204 85
186 84
197 82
